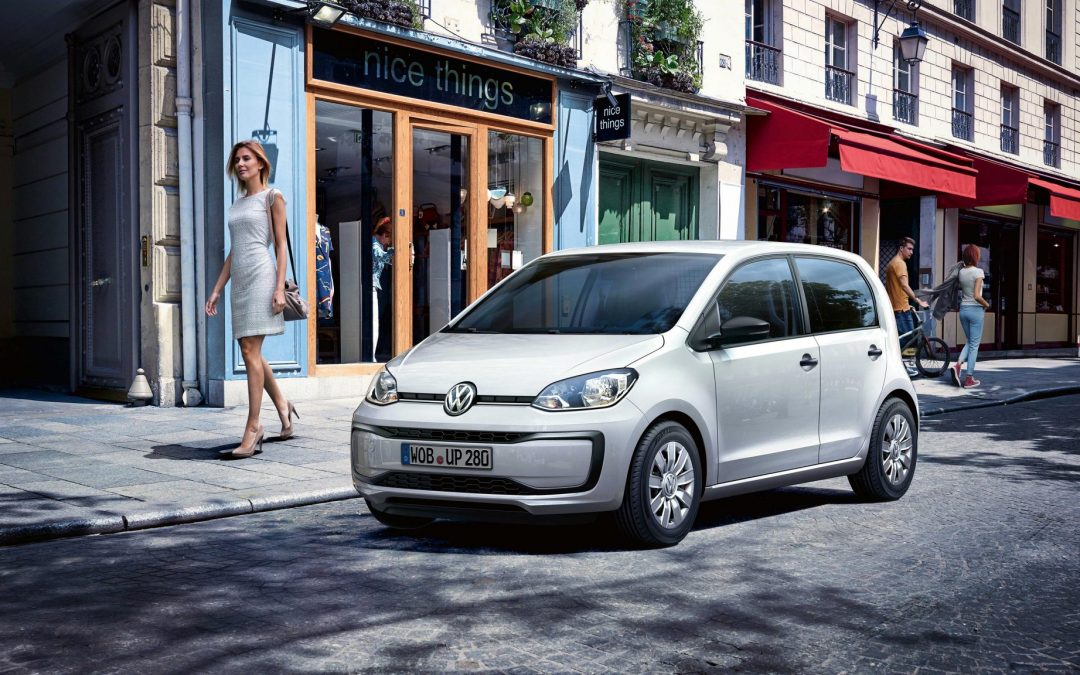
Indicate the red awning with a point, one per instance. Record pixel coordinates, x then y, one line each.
1064 201
789 139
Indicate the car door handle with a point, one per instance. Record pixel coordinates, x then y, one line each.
807 362
873 352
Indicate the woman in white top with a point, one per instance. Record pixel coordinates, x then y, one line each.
972 312
256 222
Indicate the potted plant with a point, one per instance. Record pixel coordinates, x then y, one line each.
404 13
538 29
664 38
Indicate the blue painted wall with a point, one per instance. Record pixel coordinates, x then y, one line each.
264 61
575 189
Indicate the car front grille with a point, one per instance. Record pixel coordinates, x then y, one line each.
458 435
437 482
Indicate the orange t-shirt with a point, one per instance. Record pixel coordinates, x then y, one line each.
897 270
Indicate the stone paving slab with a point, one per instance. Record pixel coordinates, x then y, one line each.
74 466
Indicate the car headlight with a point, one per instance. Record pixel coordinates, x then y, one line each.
594 390
383 390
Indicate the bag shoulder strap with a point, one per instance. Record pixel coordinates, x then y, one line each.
288 243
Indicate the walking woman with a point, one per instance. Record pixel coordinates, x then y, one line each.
972 311
256 221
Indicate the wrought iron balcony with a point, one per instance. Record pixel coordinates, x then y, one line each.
1051 153
839 84
762 62
962 124
964 9
905 107
1053 47
1010 25
1010 139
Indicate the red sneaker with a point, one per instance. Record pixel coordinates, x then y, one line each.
970 382
956 374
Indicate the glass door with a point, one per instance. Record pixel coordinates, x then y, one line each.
440 227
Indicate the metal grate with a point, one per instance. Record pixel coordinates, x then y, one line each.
1010 25
459 435
437 482
1010 139
886 252
1051 153
1053 47
905 107
962 126
762 62
838 84
963 9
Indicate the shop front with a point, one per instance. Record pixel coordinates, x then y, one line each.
427 170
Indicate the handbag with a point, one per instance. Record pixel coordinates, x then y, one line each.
296 307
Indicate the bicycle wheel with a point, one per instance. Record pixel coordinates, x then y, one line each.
932 359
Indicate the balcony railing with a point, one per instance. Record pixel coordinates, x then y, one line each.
1053 47
1010 25
762 62
962 126
1010 139
964 9
905 107
838 84
1051 153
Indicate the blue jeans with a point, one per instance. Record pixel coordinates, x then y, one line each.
905 323
971 320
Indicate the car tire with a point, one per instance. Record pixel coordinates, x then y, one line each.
890 461
398 522
665 471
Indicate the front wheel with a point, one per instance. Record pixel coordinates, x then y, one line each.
932 359
663 489
890 461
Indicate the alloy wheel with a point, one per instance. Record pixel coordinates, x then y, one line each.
671 485
896 444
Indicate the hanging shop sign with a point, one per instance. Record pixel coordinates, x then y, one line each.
612 120
358 61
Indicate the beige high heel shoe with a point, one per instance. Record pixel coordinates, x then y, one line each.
287 432
255 448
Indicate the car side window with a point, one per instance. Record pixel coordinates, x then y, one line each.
837 295
763 290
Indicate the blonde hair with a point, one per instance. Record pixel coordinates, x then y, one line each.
256 149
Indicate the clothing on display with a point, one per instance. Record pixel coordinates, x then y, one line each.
324 279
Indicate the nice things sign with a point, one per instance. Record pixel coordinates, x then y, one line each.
396 69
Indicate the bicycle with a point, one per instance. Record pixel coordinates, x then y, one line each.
931 353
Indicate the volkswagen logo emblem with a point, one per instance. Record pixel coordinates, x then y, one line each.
460 398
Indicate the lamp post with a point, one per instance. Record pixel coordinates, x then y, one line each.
913 40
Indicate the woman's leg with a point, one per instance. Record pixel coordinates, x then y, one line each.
967 340
274 392
251 350
974 330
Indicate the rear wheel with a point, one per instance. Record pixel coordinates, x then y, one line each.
398 522
890 461
932 359
663 489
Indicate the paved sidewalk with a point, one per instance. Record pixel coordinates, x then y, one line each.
71 466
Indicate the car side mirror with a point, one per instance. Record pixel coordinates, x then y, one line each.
740 329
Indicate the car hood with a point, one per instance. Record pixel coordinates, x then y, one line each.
513 365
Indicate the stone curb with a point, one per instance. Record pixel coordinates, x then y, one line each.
111 524
1019 398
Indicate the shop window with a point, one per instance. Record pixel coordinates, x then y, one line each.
988 240
1052 272
515 222
352 244
784 215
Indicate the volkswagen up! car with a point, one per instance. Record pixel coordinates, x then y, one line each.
642 379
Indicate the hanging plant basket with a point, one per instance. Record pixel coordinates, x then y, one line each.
388 11
548 52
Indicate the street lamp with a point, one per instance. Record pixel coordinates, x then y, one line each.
913 40
325 14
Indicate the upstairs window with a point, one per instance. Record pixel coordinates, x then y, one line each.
963 126
1053 31
1010 119
1052 134
1010 20
762 56
839 78
905 89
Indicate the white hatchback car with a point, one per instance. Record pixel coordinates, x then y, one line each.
641 379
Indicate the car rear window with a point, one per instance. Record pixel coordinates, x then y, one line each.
597 293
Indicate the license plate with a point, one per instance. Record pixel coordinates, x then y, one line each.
445 457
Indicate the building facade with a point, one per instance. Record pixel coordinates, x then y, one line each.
996 93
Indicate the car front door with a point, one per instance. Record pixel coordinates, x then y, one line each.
845 322
767 389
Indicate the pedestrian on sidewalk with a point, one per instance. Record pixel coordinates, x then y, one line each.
256 222
896 283
972 312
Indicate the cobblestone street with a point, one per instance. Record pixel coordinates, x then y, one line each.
973 571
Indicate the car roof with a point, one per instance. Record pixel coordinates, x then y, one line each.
740 249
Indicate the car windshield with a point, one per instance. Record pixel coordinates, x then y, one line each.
595 293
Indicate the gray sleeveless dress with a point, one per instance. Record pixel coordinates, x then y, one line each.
254 274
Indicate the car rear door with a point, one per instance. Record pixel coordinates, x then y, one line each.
845 323
766 391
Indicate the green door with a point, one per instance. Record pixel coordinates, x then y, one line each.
647 201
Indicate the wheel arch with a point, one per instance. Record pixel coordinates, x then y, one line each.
907 399
691 426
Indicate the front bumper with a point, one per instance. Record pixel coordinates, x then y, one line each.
544 463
